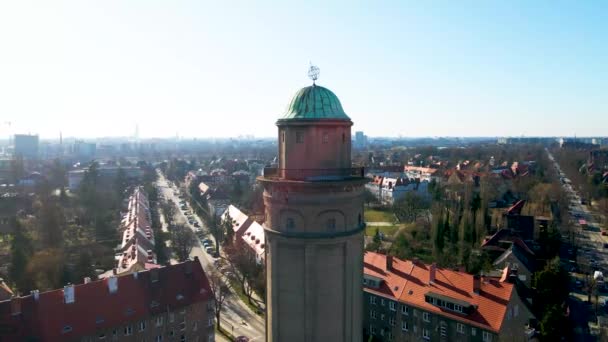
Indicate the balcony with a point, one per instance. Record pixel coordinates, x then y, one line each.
315 174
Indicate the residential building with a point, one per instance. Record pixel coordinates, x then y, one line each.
171 303
390 189
423 173
105 173
314 225
240 221
518 257
137 248
247 232
26 146
255 238
412 301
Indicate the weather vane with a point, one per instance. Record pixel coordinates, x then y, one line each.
313 73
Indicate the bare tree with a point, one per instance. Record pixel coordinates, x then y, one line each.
182 241
244 266
220 293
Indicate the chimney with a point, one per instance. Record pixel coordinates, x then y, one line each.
112 284
432 271
15 305
389 262
476 284
154 275
87 280
68 294
35 294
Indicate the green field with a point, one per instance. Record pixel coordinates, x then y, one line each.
386 230
373 215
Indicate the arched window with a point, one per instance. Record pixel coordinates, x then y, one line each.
283 136
290 224
331 224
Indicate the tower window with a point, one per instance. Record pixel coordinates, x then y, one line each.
331 224
290 224
359 219
299 137
325 137
343 138
283 136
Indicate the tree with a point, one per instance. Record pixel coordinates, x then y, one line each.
244 267
411 206
552 324
51 223
17 169
46 270
369 198
84 266
183 240
226 225
121 182
215 227
551 292
21 250
220 293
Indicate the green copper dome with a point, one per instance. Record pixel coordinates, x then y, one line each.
315 103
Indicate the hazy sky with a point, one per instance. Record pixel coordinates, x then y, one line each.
225 68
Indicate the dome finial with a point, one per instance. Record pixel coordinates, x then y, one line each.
313 73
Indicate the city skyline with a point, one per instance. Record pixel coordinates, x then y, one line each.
90 69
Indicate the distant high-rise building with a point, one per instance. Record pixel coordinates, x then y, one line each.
26 146
314 225
84 149
360 140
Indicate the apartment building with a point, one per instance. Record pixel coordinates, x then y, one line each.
411 301
172 303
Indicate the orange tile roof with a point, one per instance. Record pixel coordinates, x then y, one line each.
408 282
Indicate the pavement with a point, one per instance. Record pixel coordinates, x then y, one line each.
236 316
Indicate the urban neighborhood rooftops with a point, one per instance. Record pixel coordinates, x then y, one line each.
85 309
481 302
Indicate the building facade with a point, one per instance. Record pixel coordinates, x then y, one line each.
411 301
172 303
314 225
26 146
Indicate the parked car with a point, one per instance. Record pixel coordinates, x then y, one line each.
210 250
196 224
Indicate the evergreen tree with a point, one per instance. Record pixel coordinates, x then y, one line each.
21 249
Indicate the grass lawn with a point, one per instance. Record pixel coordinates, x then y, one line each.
373 215
386 230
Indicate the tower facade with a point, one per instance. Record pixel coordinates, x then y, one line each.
314 225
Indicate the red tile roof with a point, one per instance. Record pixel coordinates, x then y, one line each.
408 283
515 209
95 308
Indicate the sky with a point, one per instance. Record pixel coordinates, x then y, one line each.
227 68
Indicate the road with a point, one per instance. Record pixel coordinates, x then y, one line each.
591 257
236 316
